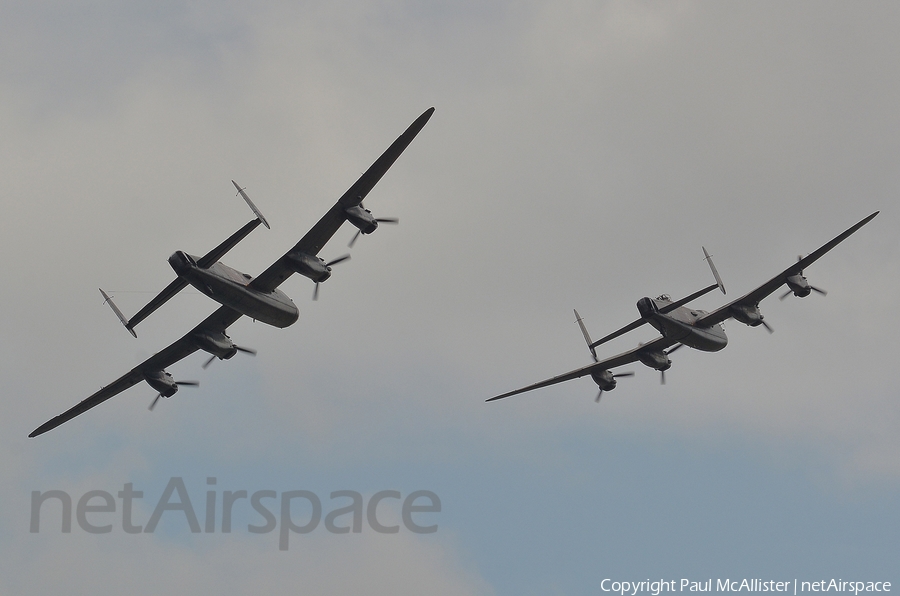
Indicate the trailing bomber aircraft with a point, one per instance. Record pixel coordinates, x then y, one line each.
683 326
241 294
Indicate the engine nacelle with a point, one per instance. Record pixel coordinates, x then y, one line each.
162 382
798 285
658 360
604 380
362 218
310 266
746 314
217 344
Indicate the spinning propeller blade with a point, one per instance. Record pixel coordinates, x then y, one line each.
249 351
340 259
662 373
624 374
813 288
183 383
387 220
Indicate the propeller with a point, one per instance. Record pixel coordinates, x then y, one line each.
662 373
340 259
387 220
185 383
624 374
250 351
811 287
767 326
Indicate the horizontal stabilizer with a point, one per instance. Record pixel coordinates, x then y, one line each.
170 290
670 307
629 327
203 262
219 251
662 309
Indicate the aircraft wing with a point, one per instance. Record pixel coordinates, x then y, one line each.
660 343
325 228
753 297
220 320
133 377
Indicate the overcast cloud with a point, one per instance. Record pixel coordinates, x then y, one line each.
580 154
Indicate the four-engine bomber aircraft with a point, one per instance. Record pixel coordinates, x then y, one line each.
239 293
682 326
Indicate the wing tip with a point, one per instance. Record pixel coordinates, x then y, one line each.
425 117
867 219
508 394
41 429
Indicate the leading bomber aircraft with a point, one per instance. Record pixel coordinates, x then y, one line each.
683 326
241 294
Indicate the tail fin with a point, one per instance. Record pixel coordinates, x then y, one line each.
584 332
108 300
250 204
713 268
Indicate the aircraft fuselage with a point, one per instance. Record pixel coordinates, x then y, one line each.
231 288
679 324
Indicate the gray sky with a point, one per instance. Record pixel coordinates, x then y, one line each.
579 156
